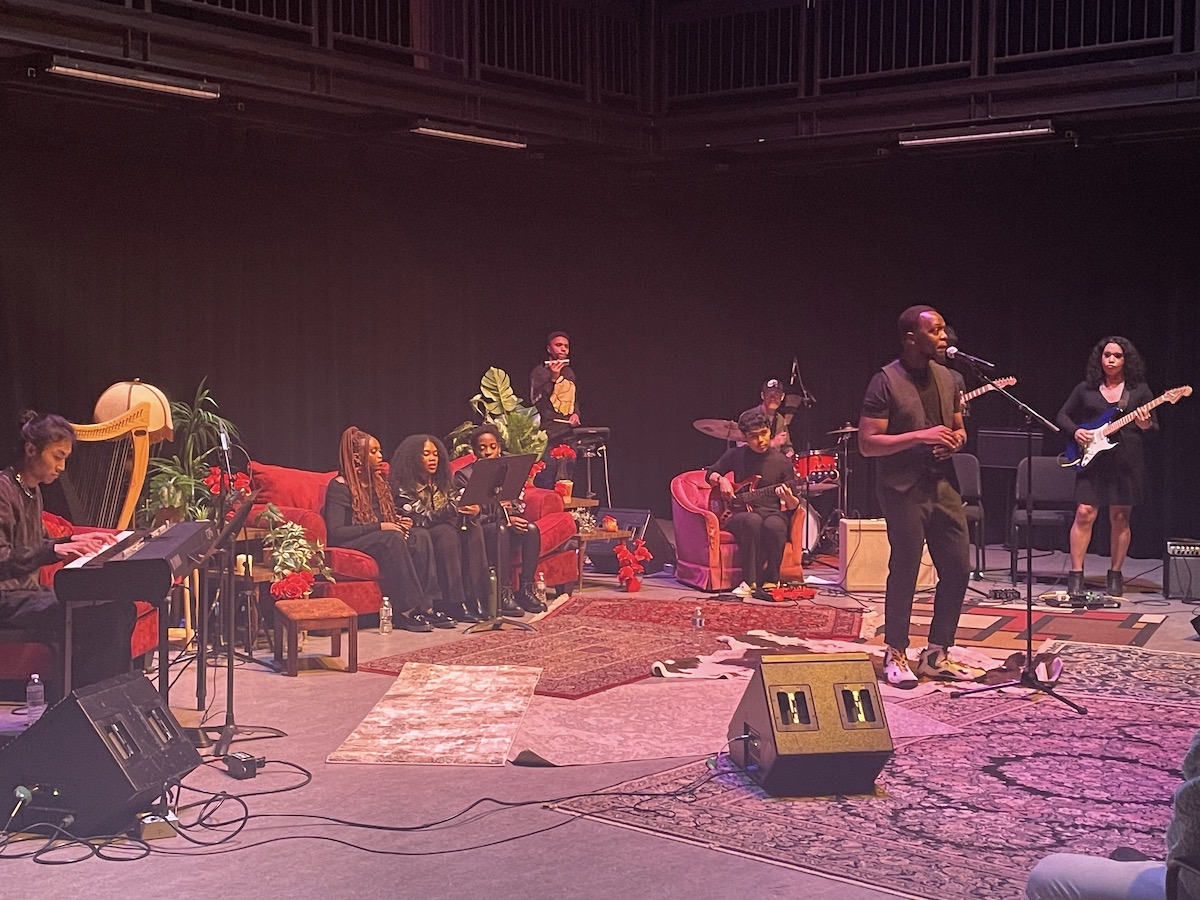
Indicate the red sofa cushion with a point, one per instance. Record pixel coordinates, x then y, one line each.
296 488
346 562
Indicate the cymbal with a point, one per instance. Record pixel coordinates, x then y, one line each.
845 429
722 429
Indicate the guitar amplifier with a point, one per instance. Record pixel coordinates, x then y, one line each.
1181 569
863 551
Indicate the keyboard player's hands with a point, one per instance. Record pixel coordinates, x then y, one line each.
86 543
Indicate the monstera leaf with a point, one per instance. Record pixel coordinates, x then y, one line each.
496 390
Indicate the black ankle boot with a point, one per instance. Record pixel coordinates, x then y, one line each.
528 601
1116 583
1075 582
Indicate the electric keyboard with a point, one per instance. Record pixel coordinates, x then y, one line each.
140 566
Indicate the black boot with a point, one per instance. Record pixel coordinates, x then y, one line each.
508 605
465 612
1116 583
528 600
1075 582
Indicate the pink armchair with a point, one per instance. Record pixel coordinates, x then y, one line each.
706 556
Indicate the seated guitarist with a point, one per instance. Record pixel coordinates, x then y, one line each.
760 525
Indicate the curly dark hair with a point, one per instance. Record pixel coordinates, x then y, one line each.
406 467
1135 369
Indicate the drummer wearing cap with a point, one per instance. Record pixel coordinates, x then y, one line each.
772 398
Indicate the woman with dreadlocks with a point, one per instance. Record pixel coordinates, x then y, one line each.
359 513
420 478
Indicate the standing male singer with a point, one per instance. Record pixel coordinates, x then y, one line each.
912 420
552 390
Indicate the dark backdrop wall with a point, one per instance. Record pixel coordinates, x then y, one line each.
318 282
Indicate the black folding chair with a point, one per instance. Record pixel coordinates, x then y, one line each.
1053 502
970 485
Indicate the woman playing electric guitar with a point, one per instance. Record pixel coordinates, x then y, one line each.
1115 380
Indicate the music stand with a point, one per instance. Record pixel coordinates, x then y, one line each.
1028 677
496 481
223 545
593 442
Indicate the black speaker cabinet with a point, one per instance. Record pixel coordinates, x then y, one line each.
101 755
812 725
643 525
1181 577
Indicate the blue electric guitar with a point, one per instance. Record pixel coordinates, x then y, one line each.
1106 426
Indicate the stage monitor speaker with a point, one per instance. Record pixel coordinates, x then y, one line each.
863 551
1001 449
101 755
643 525
812 725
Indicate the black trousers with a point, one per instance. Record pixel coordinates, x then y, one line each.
460 559
761 537
529 545
100 643
931 512
407 572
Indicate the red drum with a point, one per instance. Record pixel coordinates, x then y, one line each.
817 467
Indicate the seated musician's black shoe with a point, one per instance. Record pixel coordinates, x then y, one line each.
439 619
509 607
528 601
465 613
413 622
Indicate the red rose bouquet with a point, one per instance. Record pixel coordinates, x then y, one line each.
630 560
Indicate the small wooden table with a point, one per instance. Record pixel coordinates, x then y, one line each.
580 503
294 616
597 534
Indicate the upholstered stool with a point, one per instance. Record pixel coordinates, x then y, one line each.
294 616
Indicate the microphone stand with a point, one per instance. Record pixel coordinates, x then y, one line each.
807 402
1028 677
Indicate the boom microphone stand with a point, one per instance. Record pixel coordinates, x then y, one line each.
806 401
1028 677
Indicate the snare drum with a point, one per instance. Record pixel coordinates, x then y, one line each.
817 466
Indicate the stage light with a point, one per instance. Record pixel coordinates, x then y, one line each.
970 133
470 134
134 78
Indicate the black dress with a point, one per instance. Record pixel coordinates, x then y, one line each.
1115 477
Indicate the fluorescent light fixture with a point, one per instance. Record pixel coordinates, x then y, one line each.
971 133
470 134
134 78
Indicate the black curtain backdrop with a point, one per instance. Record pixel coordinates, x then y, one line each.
318 283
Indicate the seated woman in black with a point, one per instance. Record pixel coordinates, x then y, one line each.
420 479
359 513
500 526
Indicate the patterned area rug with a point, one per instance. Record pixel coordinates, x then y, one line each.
1003 627
799 619
1130 674
443 715
965 816
578 655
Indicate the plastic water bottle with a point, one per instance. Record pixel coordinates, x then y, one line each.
385 616
540 586
698 618
35 699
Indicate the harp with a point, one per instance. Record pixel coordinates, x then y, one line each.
103 483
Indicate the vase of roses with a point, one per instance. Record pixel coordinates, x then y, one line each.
295 559
630 559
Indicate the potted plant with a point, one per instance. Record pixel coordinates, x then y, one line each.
295 559
176 487
498 404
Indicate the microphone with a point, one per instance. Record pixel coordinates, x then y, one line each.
795 370
955 353
224 436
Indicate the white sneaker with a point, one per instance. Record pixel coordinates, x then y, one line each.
743 590
935 662
897 671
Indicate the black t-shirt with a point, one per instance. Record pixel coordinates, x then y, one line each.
742 464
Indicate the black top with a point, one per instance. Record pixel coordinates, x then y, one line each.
901 470
555 399
777 424
425 504
339 515
24 545
1116 476
744 463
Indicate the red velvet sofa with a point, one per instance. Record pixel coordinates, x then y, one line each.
21 655
300 496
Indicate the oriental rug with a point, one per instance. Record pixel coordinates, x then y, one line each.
801 619
443 715
964 816
578 655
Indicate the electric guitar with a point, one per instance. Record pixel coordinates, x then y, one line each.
1104 426
994 385
744 494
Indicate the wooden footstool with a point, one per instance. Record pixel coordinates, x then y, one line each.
294 616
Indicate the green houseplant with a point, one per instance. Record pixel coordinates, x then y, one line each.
293 557
497 404
175 484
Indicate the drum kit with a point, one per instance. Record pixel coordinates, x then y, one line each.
820 471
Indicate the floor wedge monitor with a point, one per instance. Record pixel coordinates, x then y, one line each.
812 725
